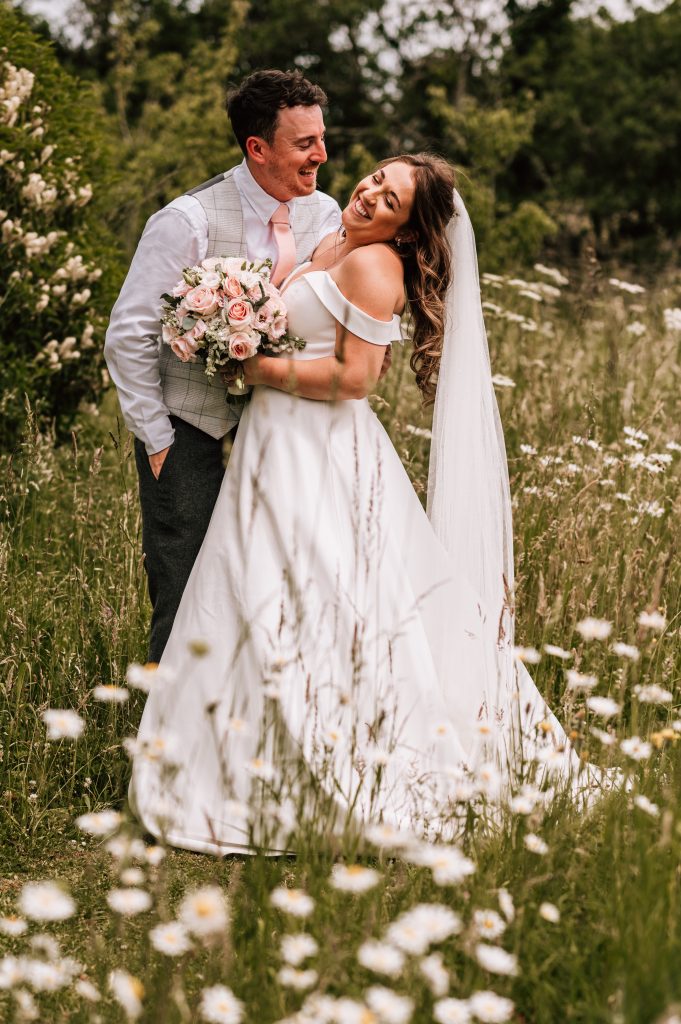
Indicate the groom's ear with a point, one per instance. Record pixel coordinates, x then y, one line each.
256 149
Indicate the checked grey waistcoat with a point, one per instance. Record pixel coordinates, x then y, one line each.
187 391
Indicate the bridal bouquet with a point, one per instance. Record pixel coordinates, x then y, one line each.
223 309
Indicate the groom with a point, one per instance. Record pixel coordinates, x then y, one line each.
267 206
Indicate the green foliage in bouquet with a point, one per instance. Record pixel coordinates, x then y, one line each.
56 261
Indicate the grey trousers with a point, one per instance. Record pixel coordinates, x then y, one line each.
176 511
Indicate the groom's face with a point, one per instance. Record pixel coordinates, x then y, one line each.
288 165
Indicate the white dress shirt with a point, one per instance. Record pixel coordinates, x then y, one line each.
174 238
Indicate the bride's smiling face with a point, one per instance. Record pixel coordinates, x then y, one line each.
380 204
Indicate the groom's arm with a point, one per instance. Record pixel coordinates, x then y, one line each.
174 238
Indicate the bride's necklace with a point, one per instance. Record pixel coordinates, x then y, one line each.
329 259
333 255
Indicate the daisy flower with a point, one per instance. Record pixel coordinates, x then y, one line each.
636 748
13 925
653 694
86 990
132 876
354 878
425 924
448 864
489 1008
506 904
652 620
296 948
452 1011
62 724
550 912
387 836
46 901
604 707
644 804
128 901
594 629
528 655
219 1005
626 651
495 959
154 855
389 1007
292 901
381 958
488 924
128 991
204 911
578 681
110 694
144 677
171 938
99 823
436 974
535 844
557 652
291 977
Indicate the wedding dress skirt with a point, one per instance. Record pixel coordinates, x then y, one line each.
324 645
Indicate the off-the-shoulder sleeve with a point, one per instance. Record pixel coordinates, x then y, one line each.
364 326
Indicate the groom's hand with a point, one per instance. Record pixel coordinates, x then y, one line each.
156 461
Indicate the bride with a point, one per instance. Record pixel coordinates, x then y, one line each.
337 650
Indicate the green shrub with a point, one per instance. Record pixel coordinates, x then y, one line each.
56 260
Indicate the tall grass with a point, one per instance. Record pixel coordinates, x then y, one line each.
596 523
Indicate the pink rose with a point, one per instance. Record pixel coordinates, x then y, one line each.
201 300
239 313
180 289
255 292
232 287
185 348
243 344
198 330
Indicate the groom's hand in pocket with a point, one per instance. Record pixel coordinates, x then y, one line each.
156 461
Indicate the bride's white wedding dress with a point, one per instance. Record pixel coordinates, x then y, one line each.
324 640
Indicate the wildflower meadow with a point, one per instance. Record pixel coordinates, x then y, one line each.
536 908
556 915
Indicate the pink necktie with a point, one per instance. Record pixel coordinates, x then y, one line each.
286 244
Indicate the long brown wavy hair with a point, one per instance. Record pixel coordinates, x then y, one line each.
427 262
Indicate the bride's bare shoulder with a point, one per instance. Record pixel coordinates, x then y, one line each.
374 274
377 255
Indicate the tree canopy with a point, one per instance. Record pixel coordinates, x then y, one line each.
561 127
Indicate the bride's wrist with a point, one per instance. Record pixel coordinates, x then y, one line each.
252 370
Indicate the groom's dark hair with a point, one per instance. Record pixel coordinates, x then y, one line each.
253 106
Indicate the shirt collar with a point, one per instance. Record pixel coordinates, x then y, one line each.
261 202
